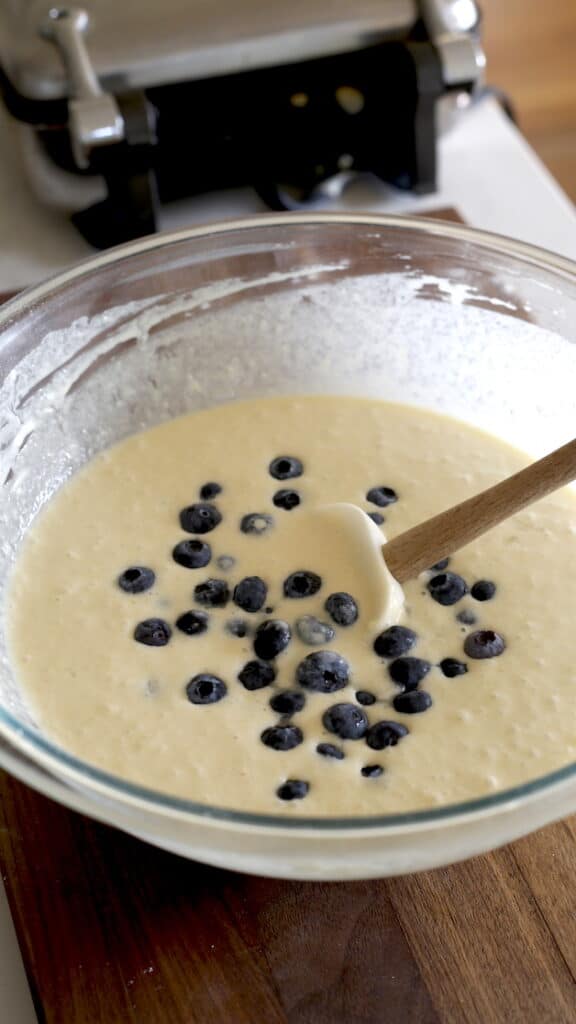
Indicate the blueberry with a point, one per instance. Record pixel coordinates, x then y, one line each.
483 590
467 617
250 593
365 697
347 721
302 584
256 675
412 703
286 500
342 608
440 566
394 641
287 702
237 627
192 554
447 588
256 523
192 623
323 672
285 467
225 562
371 771
329 750
376 517
210 490
408 672
385 734
451 667
282 737
484 644
212 593
153 632
200 518
293 789
382 496
313 632
136 579
206 689
272 637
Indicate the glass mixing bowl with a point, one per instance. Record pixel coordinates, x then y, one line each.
429 313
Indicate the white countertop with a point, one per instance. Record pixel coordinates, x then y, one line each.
487 171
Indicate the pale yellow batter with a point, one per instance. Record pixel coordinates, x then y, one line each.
122 705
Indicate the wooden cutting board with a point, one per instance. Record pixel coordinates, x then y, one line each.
113 931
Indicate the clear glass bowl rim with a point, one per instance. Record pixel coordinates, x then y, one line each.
116 789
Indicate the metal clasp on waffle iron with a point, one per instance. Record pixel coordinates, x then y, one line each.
94 117
452 26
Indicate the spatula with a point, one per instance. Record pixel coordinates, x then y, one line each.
417 549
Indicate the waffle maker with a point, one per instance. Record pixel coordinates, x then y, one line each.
125 104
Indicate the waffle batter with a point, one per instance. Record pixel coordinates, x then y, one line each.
117 638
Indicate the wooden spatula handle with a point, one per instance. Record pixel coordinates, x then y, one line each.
422 546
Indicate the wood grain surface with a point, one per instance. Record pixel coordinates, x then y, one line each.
114 931
531 51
